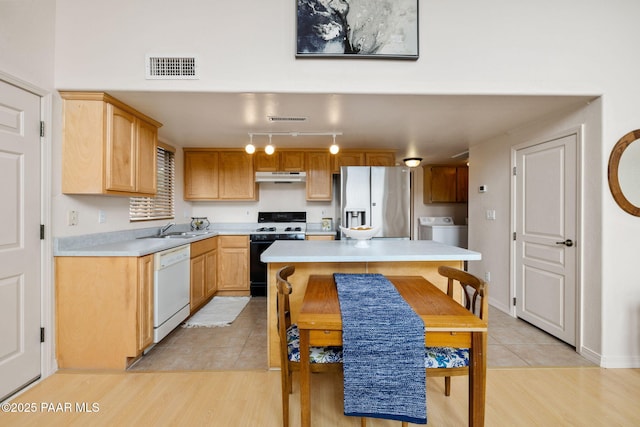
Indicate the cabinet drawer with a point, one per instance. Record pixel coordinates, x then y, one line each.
202 246
234 241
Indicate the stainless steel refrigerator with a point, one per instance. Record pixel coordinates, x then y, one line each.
376 196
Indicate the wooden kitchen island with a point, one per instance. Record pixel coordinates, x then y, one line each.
388 257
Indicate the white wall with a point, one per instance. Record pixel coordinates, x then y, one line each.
490 47
491 166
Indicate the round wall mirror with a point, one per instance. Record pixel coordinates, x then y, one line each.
624 172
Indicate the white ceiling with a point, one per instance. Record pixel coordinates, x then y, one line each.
434 127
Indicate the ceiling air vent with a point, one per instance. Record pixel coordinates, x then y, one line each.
286 119
172 67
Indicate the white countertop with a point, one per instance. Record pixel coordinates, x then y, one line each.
380 250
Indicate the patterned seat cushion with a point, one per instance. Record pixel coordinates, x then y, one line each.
446 357
316 354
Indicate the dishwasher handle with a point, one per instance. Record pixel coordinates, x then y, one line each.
171 256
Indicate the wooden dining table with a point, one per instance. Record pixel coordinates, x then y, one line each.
447 323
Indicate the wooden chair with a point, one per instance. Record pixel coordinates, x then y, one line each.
447 361
323 359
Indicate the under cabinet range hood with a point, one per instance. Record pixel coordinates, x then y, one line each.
283 177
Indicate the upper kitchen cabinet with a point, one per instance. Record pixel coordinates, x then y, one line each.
108 147
445 184
280 161
319 176
380 158
218 174
363 158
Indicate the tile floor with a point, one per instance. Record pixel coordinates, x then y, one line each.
243 345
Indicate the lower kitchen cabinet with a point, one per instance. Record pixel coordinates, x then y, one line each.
233 265
320 237
104 310
204 254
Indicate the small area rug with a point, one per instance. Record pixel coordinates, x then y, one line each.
220 311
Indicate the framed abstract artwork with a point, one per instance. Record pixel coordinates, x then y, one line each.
357 29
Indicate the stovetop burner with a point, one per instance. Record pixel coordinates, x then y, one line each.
293 229
264 229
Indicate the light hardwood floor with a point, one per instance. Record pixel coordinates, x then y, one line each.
580 396
236 392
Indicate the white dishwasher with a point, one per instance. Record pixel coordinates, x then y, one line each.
171 290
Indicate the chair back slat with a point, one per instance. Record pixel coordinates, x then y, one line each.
474 289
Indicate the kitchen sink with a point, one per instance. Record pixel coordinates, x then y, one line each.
177 235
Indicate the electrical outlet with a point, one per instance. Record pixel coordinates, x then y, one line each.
487 276
491 214
72 218
102 216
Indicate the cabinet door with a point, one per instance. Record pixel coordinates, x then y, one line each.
355 158
319 175
292 161
380 159
443 184
145 302
211 266
198 277
120 150
266 162
462 184
237 179
233 263
146 176
201 175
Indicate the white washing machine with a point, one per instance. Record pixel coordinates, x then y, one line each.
442 229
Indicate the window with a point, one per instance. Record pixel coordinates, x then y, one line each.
161 206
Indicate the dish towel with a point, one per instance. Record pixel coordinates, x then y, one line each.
383 350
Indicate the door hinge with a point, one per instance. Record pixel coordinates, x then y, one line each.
514 235
41 129
514 171
41 231
41 334
514 301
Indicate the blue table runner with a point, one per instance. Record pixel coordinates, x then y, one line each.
383 350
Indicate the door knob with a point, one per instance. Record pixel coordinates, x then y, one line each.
568 243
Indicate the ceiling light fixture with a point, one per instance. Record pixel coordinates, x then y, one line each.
269 149
250 148
412 162
334 147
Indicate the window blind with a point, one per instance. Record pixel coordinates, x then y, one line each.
162 205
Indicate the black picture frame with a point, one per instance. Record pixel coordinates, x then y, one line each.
379 29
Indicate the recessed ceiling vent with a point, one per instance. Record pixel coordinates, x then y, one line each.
171 67
286 119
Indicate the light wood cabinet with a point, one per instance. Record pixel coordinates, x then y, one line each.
280 161
379 158
203 272
445 184
233 265
363 158
145 302
108 147
320 237
104 309
237 178
319 176
218 174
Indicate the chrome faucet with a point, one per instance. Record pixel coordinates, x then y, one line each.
165 228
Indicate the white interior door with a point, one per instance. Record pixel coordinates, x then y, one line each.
545 216
20 259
